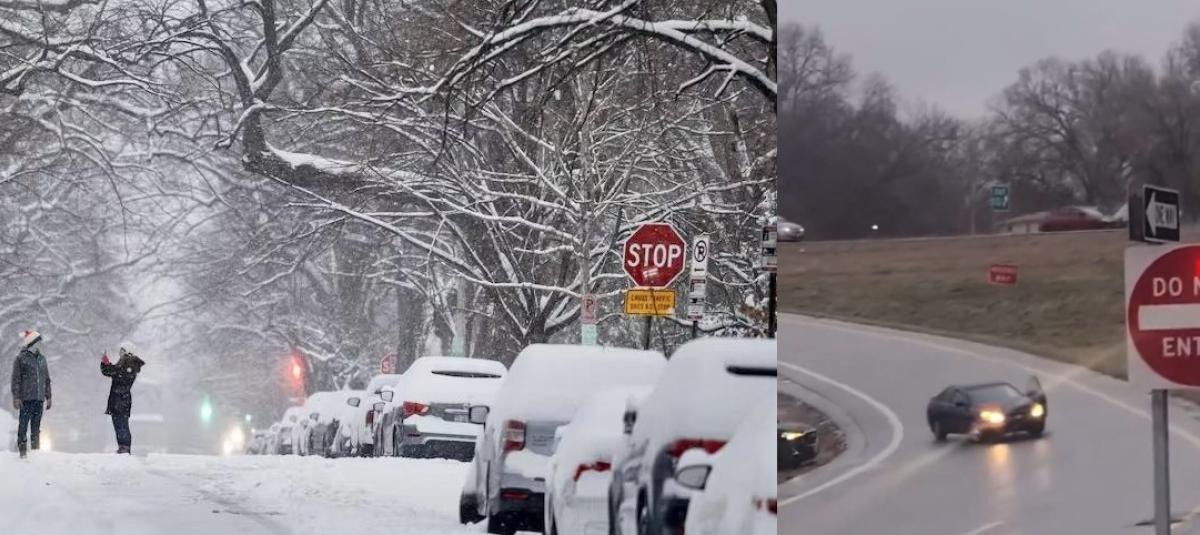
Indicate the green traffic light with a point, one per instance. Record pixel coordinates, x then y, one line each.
206 411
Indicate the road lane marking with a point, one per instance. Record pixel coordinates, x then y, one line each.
986 527
1060 378
893 420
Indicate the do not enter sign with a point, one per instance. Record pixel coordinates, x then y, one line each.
1162 316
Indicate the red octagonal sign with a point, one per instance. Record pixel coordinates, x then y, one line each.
654 255
1162 316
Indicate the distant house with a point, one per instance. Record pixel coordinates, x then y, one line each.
1063 219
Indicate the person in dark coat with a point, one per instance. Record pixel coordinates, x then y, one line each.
120 398
30 390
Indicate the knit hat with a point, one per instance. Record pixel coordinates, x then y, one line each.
30 337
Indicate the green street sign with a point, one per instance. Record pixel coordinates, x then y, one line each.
999 198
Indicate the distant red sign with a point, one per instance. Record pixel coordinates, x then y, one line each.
1002 274
387 365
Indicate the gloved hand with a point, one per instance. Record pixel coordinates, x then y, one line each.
105 360
47 403
16 404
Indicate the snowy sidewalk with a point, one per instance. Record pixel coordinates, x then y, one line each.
55 493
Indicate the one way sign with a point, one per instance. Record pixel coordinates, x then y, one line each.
1160 222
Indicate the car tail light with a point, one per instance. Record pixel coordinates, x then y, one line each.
769 505
677 448
370 417
514 494
412 408
514 435
598 466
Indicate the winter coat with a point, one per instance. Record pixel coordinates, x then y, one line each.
123 374
30 376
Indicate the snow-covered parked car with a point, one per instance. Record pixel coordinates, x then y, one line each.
580 471
436 394
369 410
272 447
317 431
334 429
708 388
387 423
739 489
545 387
289 431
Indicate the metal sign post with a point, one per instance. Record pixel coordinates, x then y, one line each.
1154 291
697 282
1162 465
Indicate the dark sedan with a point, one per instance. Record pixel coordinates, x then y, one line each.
988 411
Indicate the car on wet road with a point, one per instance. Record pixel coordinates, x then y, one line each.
988 411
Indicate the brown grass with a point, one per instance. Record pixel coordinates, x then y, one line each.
1066 305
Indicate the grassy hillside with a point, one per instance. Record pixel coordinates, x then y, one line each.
1067 303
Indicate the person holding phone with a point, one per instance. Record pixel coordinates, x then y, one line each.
120 396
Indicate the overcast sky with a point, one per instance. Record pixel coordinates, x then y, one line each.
959 54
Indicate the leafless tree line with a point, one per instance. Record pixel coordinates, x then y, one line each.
351 178
1062 133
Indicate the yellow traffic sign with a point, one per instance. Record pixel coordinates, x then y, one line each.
649 302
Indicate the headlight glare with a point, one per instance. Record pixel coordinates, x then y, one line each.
1037 410
992 417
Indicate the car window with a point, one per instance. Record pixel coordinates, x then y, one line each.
959 397
994 393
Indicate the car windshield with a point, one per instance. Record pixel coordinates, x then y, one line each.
994 393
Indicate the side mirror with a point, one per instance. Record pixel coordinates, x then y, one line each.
378 407
478 414
693 477
387 395
630 419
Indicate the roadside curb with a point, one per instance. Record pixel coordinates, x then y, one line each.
852 434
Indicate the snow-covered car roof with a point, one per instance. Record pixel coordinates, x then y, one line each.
332 405
707 389
381 380
291 411
597 432
549 382
451 380
485 366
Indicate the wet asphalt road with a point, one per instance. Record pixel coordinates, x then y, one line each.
1090 473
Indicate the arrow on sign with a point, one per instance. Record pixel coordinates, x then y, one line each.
1161 214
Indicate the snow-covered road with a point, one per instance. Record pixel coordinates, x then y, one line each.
55 493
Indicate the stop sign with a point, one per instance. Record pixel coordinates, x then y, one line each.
654 255
1162 316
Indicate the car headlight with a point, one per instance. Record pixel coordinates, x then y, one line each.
1037 410
992 417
